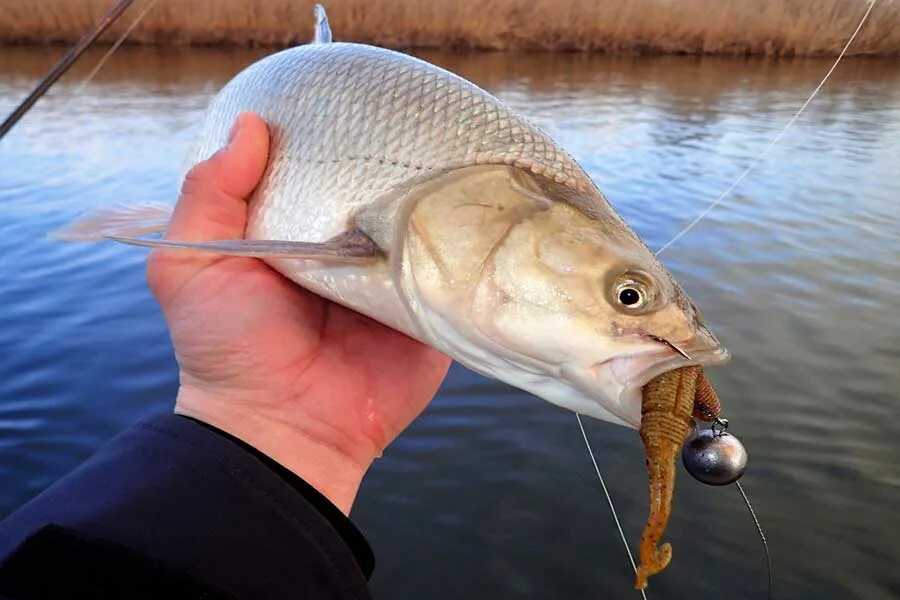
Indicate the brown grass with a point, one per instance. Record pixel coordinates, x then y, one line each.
774 27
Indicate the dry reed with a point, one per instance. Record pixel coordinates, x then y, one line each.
773 27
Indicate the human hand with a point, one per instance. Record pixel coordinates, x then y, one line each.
319 388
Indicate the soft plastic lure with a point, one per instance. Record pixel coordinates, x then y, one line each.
670 402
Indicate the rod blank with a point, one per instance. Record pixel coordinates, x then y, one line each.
63 65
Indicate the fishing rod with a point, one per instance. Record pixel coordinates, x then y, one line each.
64 64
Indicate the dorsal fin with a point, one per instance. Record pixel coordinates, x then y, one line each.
323 29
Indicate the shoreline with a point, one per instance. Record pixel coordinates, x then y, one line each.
617 27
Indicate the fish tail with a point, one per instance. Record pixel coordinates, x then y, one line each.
323 29
117 221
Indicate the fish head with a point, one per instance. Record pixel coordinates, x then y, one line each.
545 287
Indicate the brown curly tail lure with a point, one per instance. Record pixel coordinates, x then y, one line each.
670 402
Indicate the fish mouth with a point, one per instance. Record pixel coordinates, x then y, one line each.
634 371
644 367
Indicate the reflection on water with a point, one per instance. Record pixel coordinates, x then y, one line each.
491 493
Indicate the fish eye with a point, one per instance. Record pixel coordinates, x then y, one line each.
629 296
631 293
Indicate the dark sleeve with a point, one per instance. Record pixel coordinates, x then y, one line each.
173 508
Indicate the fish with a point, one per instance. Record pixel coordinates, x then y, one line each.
412 196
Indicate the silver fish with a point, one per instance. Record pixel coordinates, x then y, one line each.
410 195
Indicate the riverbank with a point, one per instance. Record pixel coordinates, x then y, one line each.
770 27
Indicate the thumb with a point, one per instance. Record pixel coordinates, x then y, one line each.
213 204
213 198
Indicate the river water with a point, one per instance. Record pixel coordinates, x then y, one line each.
491 493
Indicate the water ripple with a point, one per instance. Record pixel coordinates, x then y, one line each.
797 272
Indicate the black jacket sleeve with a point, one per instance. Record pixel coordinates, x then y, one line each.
173 508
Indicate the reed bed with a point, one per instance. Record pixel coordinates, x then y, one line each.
772 27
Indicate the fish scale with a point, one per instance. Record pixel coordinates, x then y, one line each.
350 123
389 107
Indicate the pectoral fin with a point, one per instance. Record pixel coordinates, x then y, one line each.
126 224
350 246
117 220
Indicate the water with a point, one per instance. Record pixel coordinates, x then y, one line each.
490 493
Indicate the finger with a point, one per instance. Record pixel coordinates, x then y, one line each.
212 204
213 198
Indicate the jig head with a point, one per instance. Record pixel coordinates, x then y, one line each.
714 457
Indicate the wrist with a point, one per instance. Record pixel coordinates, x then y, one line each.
328 467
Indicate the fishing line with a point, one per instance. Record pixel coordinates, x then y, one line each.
759 158
63 65
762 155
762 536
612 507
115 46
